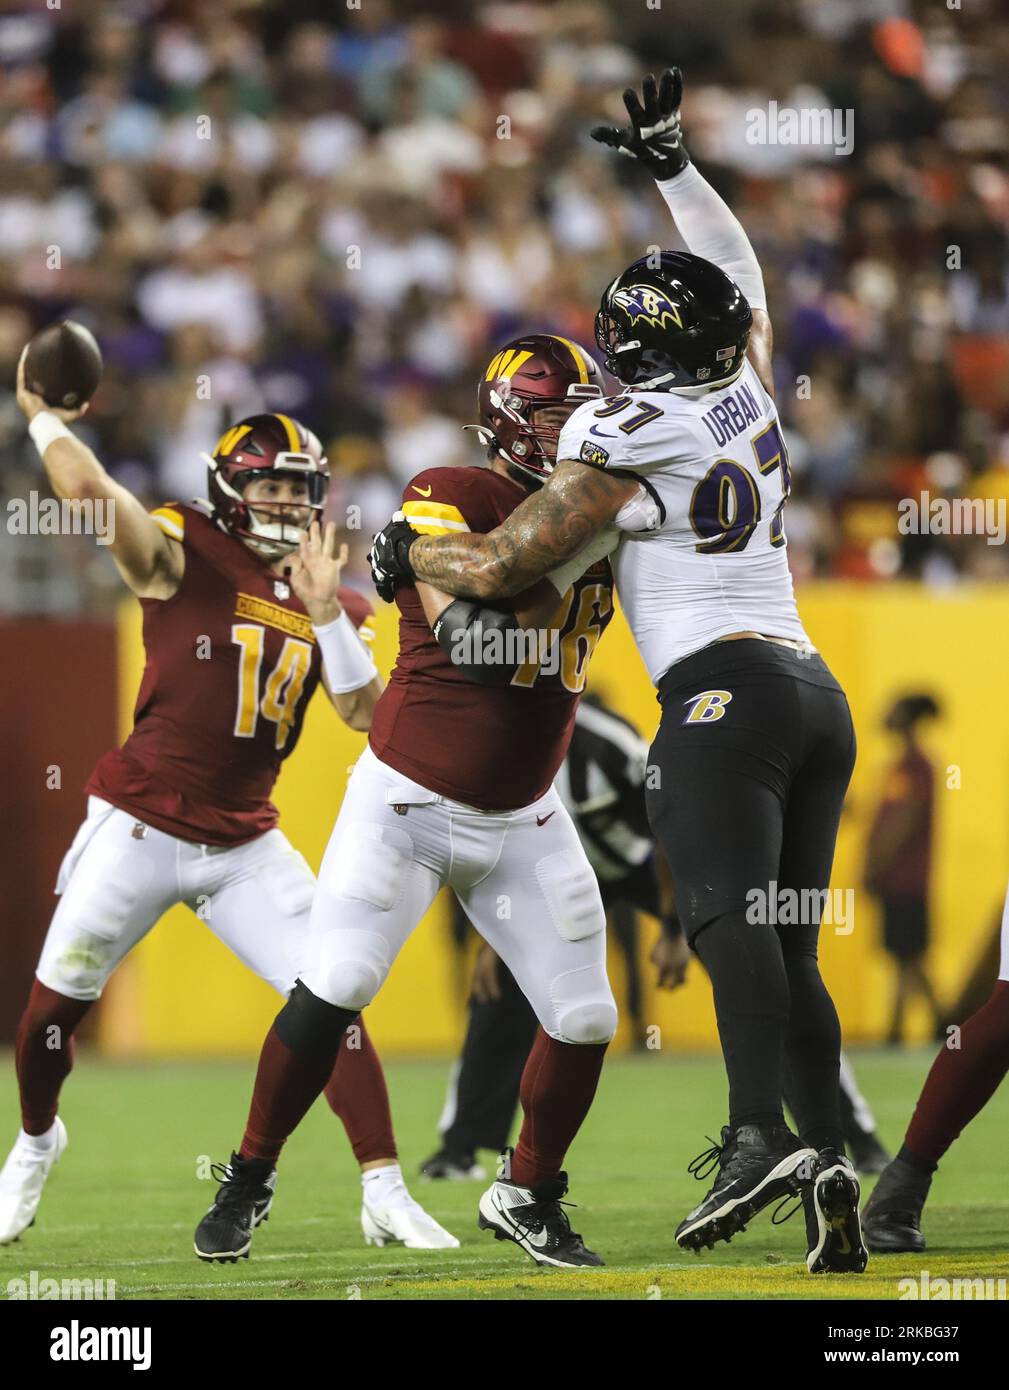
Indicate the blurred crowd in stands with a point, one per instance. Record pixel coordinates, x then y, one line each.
337 210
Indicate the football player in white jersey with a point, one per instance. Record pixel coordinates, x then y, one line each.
684 476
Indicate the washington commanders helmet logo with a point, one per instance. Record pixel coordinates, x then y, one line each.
505 364
708 706
646 304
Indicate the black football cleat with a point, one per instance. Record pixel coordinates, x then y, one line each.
243 1200
756 1166
833 1229
453 1166
868 1156
892 1217
534 1219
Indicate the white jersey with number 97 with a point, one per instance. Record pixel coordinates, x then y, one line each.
701 550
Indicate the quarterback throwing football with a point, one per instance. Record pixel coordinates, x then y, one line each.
243 615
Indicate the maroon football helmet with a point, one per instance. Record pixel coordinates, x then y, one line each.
526 375
262 446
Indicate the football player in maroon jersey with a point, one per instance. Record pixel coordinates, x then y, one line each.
243 615
456 788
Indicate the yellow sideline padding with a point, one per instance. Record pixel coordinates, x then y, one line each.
181 992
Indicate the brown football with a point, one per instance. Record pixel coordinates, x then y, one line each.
64 365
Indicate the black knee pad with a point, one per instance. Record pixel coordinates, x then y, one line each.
311 1027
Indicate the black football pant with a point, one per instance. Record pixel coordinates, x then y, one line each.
484 1094
749 771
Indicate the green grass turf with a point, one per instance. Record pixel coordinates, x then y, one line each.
124 1200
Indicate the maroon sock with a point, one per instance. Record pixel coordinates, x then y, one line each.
357 1092
287 1085
44 1053
558 1085
962 1080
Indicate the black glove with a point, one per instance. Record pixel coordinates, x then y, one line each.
654 133
389 556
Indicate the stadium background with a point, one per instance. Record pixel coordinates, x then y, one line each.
358 231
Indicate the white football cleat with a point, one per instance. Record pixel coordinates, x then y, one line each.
389 1215
22 1179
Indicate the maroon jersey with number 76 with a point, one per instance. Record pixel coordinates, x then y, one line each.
497 748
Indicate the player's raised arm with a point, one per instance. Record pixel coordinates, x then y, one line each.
150 562
703 219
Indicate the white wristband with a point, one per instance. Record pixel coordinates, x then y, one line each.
45 429
710 228
346 661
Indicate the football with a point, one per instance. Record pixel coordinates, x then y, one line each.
64 365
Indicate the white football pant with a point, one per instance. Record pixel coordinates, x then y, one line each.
522 877
120 876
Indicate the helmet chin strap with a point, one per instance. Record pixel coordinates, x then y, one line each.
701 389
515 470
656 382
530 481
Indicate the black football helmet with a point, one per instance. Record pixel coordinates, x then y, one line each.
679 324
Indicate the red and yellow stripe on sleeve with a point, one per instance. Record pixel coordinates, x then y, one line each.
171 521
434 518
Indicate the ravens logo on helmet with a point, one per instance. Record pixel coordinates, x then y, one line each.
679 324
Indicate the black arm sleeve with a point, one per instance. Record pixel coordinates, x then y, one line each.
482 643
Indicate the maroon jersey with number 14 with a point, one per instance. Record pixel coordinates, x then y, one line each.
497 748
231 665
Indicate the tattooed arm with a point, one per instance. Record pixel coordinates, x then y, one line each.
549 527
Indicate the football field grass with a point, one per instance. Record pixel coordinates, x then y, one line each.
123 1202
